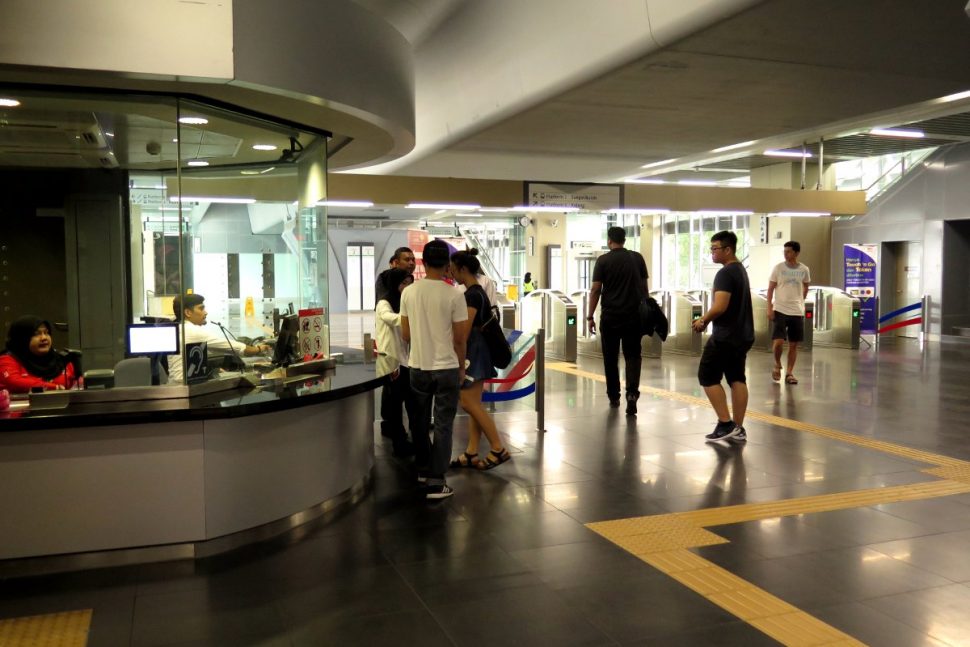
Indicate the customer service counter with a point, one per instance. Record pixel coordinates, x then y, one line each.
121 482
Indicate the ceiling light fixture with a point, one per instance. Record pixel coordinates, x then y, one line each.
494 210
956 97
249 172
193 121
780 153
6 102
436 205
660 163
898 132
802 214
213 199
265 147
697 183
267 170
724 212
362 204
198 163
646 181
528 209
732 147
637 211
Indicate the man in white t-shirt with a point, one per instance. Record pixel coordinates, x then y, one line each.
432 312
787 288
191 309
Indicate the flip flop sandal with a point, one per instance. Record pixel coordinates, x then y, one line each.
791 379
467 460
776 373
493 459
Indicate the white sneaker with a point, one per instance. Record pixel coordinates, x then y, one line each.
436 492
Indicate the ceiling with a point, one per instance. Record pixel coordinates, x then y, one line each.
776 74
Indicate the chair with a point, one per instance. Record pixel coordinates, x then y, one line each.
134 371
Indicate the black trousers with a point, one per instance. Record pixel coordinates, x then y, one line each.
394 395
617 330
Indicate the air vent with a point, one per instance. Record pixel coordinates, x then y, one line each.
108 161
89 138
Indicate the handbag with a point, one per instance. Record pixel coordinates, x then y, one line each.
652 319
498 346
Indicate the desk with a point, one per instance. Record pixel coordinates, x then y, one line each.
185 478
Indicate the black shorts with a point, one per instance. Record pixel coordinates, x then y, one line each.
790 327
722 358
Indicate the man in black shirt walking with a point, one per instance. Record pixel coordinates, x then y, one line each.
726 350
620 276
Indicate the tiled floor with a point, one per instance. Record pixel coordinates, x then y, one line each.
509 559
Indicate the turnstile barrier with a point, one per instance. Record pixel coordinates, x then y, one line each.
681 309
554 312
836 317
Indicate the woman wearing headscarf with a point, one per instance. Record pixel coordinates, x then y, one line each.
30 360
390 343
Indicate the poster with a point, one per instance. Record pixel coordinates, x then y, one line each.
416 241
860 263
313 332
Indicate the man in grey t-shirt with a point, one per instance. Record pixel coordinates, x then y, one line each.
787 288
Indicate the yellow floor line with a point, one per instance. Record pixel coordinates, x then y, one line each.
664 541
67 629
842 436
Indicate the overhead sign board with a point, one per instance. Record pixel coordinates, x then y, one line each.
587 197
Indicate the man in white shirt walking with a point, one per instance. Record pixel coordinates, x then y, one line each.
432 312
787 288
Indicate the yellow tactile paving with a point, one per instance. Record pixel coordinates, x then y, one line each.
802 629
67 629
655 542
842 436
662 541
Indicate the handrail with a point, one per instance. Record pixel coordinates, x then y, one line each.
483 255
903 161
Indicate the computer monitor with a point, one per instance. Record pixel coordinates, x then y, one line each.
152 339
287 342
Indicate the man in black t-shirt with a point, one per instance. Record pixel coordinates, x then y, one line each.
726 350
620 276
403 259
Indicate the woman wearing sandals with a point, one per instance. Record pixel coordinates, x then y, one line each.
465 268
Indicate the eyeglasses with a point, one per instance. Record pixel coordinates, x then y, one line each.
714 249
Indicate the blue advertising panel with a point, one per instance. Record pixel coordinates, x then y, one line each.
860 282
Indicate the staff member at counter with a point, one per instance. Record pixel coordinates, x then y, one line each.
191 308
30 360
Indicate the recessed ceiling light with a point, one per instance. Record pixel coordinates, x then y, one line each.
363 204
530 209
436 205
264 147
898 132
216 199
249 172
697 182
193 121
634 181
109 134
175 140
660 163
732 147
956 97
198 163
796 214
644 210
774 153
494 209
8 103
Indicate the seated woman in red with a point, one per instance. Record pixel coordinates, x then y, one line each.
30 359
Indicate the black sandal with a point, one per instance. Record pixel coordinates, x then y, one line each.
467 460
495 458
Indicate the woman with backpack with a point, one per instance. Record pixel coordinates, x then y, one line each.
465 269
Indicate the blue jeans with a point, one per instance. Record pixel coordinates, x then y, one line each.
440 389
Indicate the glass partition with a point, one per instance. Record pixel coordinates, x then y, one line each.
142 198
